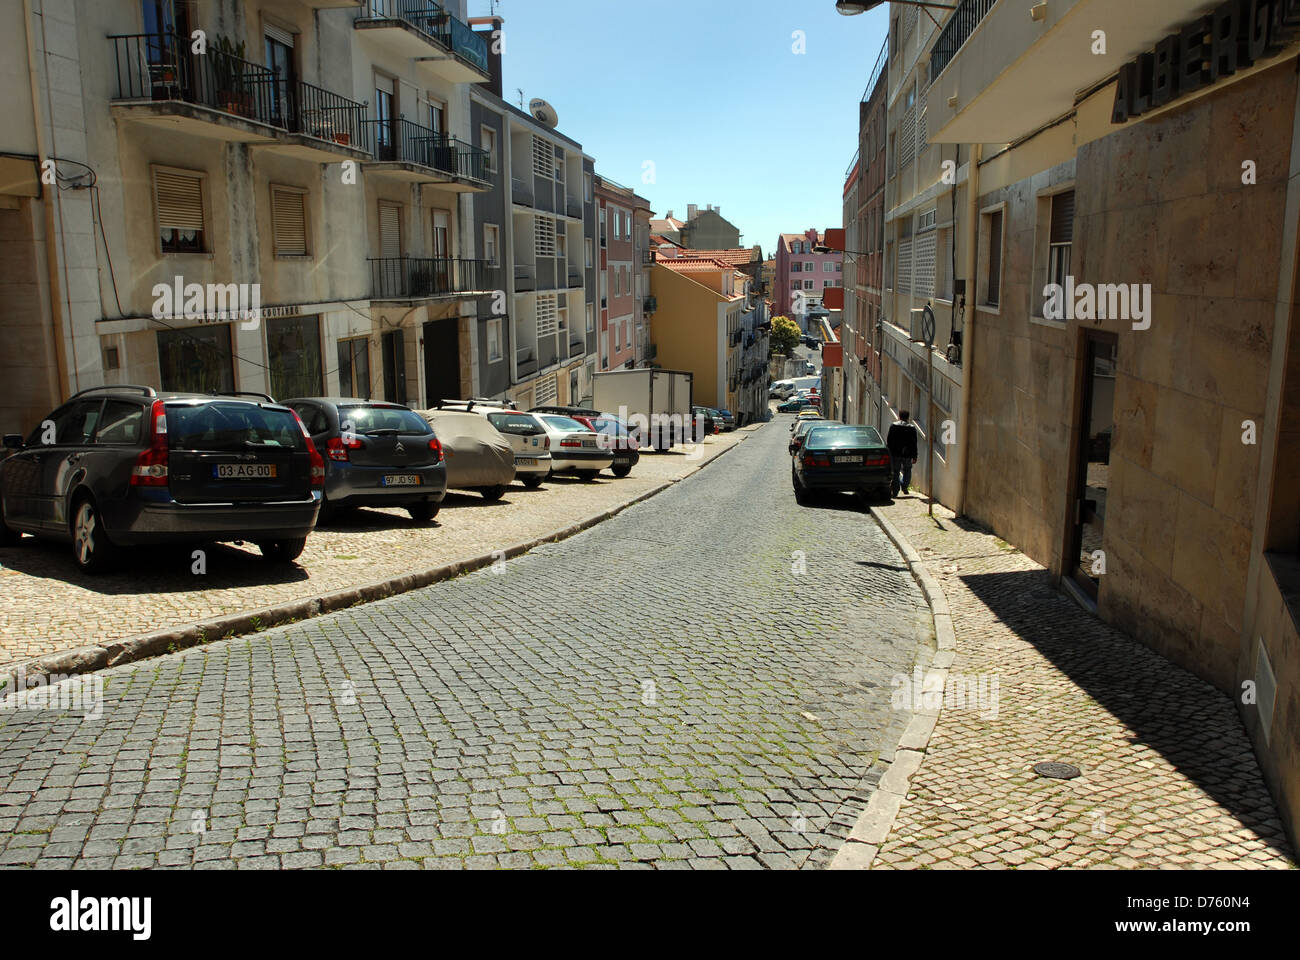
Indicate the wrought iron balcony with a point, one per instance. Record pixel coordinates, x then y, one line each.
650 305
401 141
956 31
414 278
432 23
161 68
521 192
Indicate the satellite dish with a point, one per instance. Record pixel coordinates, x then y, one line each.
543 111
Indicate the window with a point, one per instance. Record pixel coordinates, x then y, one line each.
618 337
543 158
438 117
562 245
602 226
493 341
993 278
1061 237
544 237
839 267
591 318
441 234
491 243
590 253
120 422
196 359
178 202
828 267
354 367
546 316
487 139
586 187
794 284
807 284
390 229
293 349
289 221
74 424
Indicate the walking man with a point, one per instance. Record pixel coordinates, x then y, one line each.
902 448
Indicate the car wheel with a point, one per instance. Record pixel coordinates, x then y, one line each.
283 551
92 550
424 511
533 482
588 474
622 470
493 493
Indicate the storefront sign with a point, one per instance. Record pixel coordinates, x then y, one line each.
1233 37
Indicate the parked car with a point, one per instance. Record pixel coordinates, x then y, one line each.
575 447
123 466
838 457
705 416
377 454
618 438
808 413
781 390
795 404
726 421
478 457
530 441
799 431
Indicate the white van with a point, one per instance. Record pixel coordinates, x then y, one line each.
782 389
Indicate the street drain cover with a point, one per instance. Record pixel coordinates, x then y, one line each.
1057 771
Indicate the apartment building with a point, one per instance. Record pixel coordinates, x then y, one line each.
1127 230
622 282
274 207
802 274
538 331
707 230
864 226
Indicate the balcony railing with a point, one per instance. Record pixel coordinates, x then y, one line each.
407 142
650 305
575 279
521 192
956 31
162 67
525 278
573 206
410 278
434 21
647 256
525 361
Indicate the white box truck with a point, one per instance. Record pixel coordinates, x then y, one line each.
655 403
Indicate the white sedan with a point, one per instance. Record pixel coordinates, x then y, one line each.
575 447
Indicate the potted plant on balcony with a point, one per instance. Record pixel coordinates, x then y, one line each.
233 95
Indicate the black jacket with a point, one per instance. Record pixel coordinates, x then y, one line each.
902 440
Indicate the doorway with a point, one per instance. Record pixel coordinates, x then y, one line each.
393 348
1085 562
442 360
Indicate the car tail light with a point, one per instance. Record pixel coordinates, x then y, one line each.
546 442
338 447
317 461
436 446
150 468
877 461
571 443
816 459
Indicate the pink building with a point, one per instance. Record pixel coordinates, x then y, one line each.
619 270
802 275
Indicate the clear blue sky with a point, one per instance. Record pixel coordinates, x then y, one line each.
710 91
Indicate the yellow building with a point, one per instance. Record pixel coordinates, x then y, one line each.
696 324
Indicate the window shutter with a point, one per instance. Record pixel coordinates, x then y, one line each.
995 258
1063 217
180 201
547 321
390 230
289 222
544 237
278 33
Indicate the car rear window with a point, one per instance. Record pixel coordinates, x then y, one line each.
567 424
367 419
843 436
610 427
231 426
519 424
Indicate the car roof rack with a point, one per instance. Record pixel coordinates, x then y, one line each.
241 393
147 391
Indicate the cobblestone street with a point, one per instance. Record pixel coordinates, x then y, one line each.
50 606
667 689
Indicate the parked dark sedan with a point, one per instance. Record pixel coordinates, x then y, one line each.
844 458
378 455
615 435
123 466
726 420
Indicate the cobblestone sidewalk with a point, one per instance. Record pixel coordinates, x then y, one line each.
49 607
1168 777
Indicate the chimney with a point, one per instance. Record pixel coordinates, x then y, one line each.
717 210
486 27
691 211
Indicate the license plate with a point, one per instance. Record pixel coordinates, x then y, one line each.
525 461
846 459
589 443
244 471
402 480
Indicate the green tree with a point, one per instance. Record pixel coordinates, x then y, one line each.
785 335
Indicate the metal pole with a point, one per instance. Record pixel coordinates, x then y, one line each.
929 400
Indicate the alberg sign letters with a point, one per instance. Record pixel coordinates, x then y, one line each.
1217 45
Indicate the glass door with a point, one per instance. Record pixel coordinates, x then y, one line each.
279 59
